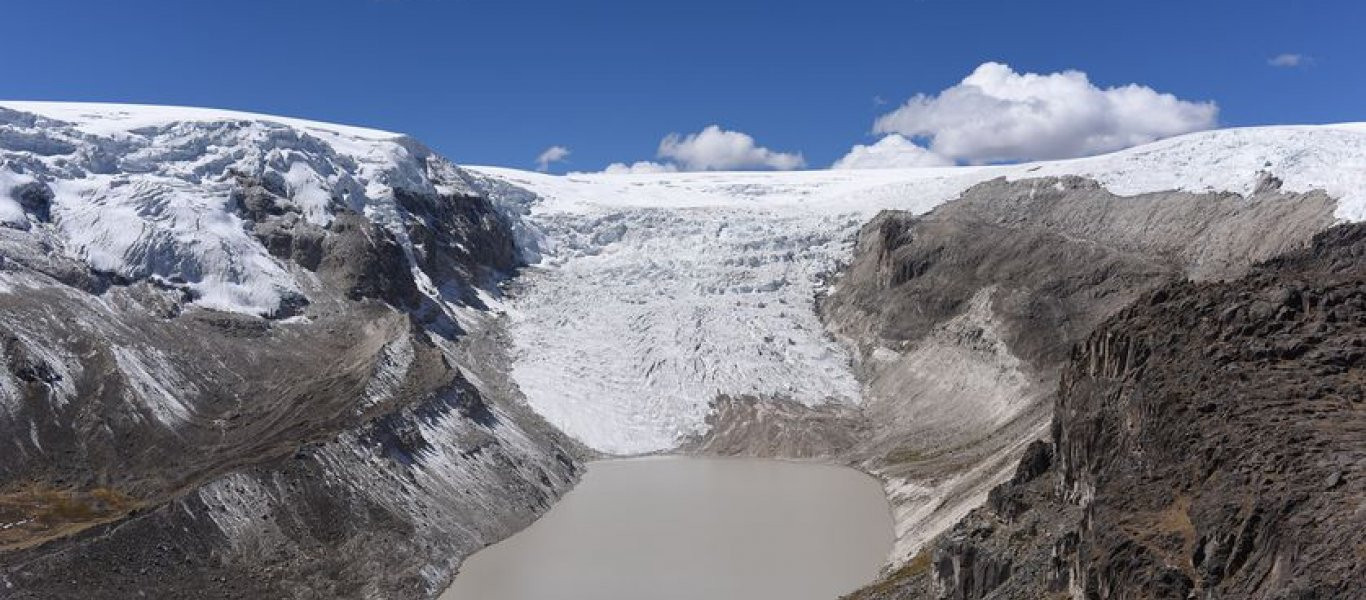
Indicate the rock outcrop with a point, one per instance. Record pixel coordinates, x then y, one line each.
1207 441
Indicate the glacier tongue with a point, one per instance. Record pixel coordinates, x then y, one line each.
654 312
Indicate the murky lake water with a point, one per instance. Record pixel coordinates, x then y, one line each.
692 528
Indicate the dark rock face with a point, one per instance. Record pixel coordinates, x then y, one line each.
36 200
277 222
1245 400
963 571
1037 459
364 260
459 238
1208 441
27 367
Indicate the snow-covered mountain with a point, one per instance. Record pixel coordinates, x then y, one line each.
148 191
658 292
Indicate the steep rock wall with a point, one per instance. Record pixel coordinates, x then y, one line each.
1207 442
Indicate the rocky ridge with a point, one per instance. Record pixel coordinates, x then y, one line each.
1206 442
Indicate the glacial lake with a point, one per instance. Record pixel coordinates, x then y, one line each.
675 528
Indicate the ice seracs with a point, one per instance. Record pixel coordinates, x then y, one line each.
146 191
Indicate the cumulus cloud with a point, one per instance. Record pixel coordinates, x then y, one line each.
640 166
996 115
712 149
551 155
716 149
890 152
1289 61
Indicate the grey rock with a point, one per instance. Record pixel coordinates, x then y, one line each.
36 199
1189 461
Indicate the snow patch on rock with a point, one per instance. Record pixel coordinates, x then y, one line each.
153 379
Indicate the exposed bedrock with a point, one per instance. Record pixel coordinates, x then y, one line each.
359 441
963 318
1208 441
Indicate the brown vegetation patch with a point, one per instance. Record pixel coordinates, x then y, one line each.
36 512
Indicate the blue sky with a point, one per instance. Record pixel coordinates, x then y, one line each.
497 82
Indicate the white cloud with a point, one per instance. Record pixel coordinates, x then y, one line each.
714 149
640 166
890 152
996 114
1289 61
551 155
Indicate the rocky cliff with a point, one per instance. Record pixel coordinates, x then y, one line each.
1206 441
